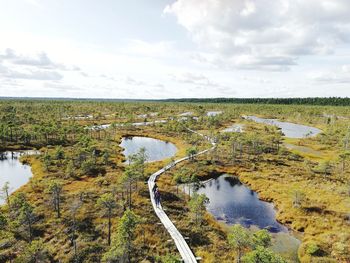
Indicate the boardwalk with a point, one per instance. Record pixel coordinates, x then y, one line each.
185 251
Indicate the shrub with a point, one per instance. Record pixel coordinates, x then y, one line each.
313 249
262 255
89 167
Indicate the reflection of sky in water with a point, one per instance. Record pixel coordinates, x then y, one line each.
289 129
12 171
233 202
106 126
234 128
156 150
213 113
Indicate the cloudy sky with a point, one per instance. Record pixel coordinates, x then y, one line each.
173 49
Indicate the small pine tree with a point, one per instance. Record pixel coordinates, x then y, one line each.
239 239
107 202
5 193
55 189
262 255
197 206
121 248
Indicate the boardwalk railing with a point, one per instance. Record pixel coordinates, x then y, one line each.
182 246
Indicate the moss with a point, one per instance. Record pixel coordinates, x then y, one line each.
322 216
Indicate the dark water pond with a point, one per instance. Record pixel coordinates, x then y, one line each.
232 202
291 130
156 150
13 171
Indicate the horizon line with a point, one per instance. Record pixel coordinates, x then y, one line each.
167 99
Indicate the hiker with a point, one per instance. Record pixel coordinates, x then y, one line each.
155 187
157 197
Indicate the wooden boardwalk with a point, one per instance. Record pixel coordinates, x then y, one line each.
185 251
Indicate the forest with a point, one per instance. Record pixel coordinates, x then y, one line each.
89 201
332 101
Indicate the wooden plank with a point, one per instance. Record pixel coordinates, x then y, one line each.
182 246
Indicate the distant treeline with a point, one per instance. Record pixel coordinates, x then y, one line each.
333 101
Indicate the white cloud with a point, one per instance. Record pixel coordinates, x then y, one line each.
339 75
160 49
39 60
345 69
263 34
37 66
131 81
275 42
58 86
196 79
199 81
33 74
34 2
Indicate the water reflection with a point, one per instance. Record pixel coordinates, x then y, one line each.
213 113
156 150
234 128
13 171
291 130
234 203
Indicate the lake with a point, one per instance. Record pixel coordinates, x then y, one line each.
289 129
13 171
156 150
232 202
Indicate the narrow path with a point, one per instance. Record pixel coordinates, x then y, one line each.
185 251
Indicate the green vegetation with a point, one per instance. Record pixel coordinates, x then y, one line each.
334 101
197 207
121 248
107 202
262 255
87 203
255 245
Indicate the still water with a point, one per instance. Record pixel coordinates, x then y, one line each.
13 171
156 150
291 130
213 113
106 126
232 202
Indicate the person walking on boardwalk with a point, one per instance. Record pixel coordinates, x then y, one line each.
157 197
155 187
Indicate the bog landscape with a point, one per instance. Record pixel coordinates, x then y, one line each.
253 181
168 131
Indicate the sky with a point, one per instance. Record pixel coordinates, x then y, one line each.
157 49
